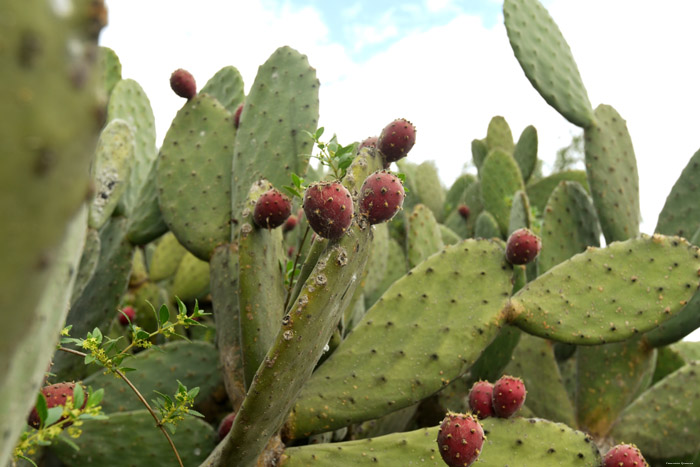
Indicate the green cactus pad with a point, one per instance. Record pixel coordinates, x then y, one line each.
111 169
195 364
223 276
479 152
429 189
226 86
376 370
540 191
472 198
49 128
668 360
423 237
131 438
534 362
191 279
486 226
88 264
27 367
110 70
146 221
394 422
570 225
665 420
261 290
378 259
499 136
455 195
306 328
533 442
449 236
688 350
194 177
525 152
676 328
396 267
98 304
500 180
129 102
519 212
166 258
610 294
271 143
609 376
681 212
612 175
489 366
546 59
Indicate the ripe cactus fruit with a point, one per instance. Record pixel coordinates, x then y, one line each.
182 82
370 142
460 439
463 211
381 197
522 247
624 455
225 425
396 139
481 399
55 395
328 208
290 223
127 315
272 209
237 116
508 395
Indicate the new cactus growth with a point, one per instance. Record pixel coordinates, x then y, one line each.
460 439
183 84
329 209
381 197
272 209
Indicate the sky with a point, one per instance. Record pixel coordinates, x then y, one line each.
445 65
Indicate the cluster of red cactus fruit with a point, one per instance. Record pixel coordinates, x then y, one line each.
329 207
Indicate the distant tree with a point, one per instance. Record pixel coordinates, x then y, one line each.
569 156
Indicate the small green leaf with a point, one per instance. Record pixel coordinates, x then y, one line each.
182 309
97 334
41 409
195 413
89 359
54 415
95 397
78 396
193 392
142 335
163 314
318 133
292 191
20 456
126 370
70 443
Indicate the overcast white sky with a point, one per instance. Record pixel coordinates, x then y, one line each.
446 65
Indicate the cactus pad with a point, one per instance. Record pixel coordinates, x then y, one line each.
681 212
226 86
500 180
546 59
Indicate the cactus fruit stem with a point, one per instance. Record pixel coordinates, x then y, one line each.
141 398
296 261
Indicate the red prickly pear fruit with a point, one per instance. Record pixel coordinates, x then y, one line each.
182 82
290 223
127 315
328 209
460 439
464 211
370 142
272 209
522 247
55 395
381 197
481 399
290 251
396 139
508 395
225 425
237 116
624 455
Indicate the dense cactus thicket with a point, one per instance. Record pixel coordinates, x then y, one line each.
335 313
